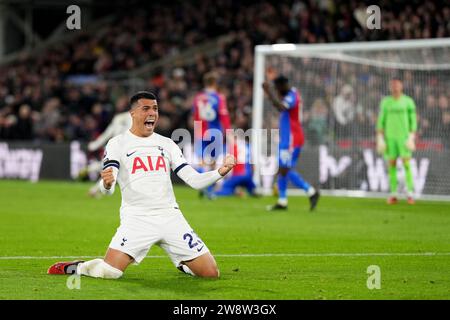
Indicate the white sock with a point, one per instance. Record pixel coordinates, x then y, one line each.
187 270
283 201
311 191
98 268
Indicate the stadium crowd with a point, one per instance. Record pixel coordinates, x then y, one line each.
60 95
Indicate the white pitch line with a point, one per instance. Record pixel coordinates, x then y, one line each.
259 255
337 254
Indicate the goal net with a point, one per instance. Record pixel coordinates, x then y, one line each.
341 87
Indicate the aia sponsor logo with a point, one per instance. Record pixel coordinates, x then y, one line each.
149 163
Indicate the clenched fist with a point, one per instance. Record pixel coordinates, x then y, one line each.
229 163
108 178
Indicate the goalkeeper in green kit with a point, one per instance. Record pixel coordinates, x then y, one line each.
396 132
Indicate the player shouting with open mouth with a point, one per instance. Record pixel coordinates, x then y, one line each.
140 160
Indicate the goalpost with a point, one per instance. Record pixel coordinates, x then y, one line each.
341 86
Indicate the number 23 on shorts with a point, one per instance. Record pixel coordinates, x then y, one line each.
193 241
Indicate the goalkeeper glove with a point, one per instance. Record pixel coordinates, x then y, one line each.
381 145
411 143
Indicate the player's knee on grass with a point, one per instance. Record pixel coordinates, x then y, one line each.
209 272
204 266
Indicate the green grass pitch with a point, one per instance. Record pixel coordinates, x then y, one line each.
261 255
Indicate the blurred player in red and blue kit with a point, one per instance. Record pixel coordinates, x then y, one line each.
287 101
210 111
242 174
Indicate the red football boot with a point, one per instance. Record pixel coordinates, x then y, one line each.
411 200
391 200
64 267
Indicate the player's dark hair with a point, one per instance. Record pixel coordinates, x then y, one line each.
396 78
142 95
281 81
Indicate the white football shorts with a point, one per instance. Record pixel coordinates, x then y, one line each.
166 228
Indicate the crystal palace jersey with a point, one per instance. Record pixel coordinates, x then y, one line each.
210 108
144 166
240 149
291 132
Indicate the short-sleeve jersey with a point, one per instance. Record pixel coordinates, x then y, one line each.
144 167
210 109
291 132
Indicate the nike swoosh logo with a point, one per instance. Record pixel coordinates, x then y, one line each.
129 154
200 249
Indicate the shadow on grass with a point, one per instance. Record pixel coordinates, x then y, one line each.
181 286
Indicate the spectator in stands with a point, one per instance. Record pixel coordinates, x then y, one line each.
344 109
46 123
7 121
430 118
443 103
317 123
133 40
446 128
445 123
23 124
74 129
177 86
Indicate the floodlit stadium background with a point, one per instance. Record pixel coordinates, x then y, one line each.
60 88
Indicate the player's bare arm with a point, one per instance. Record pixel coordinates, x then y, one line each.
276 102
271 75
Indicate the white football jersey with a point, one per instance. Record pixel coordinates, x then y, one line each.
144 166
